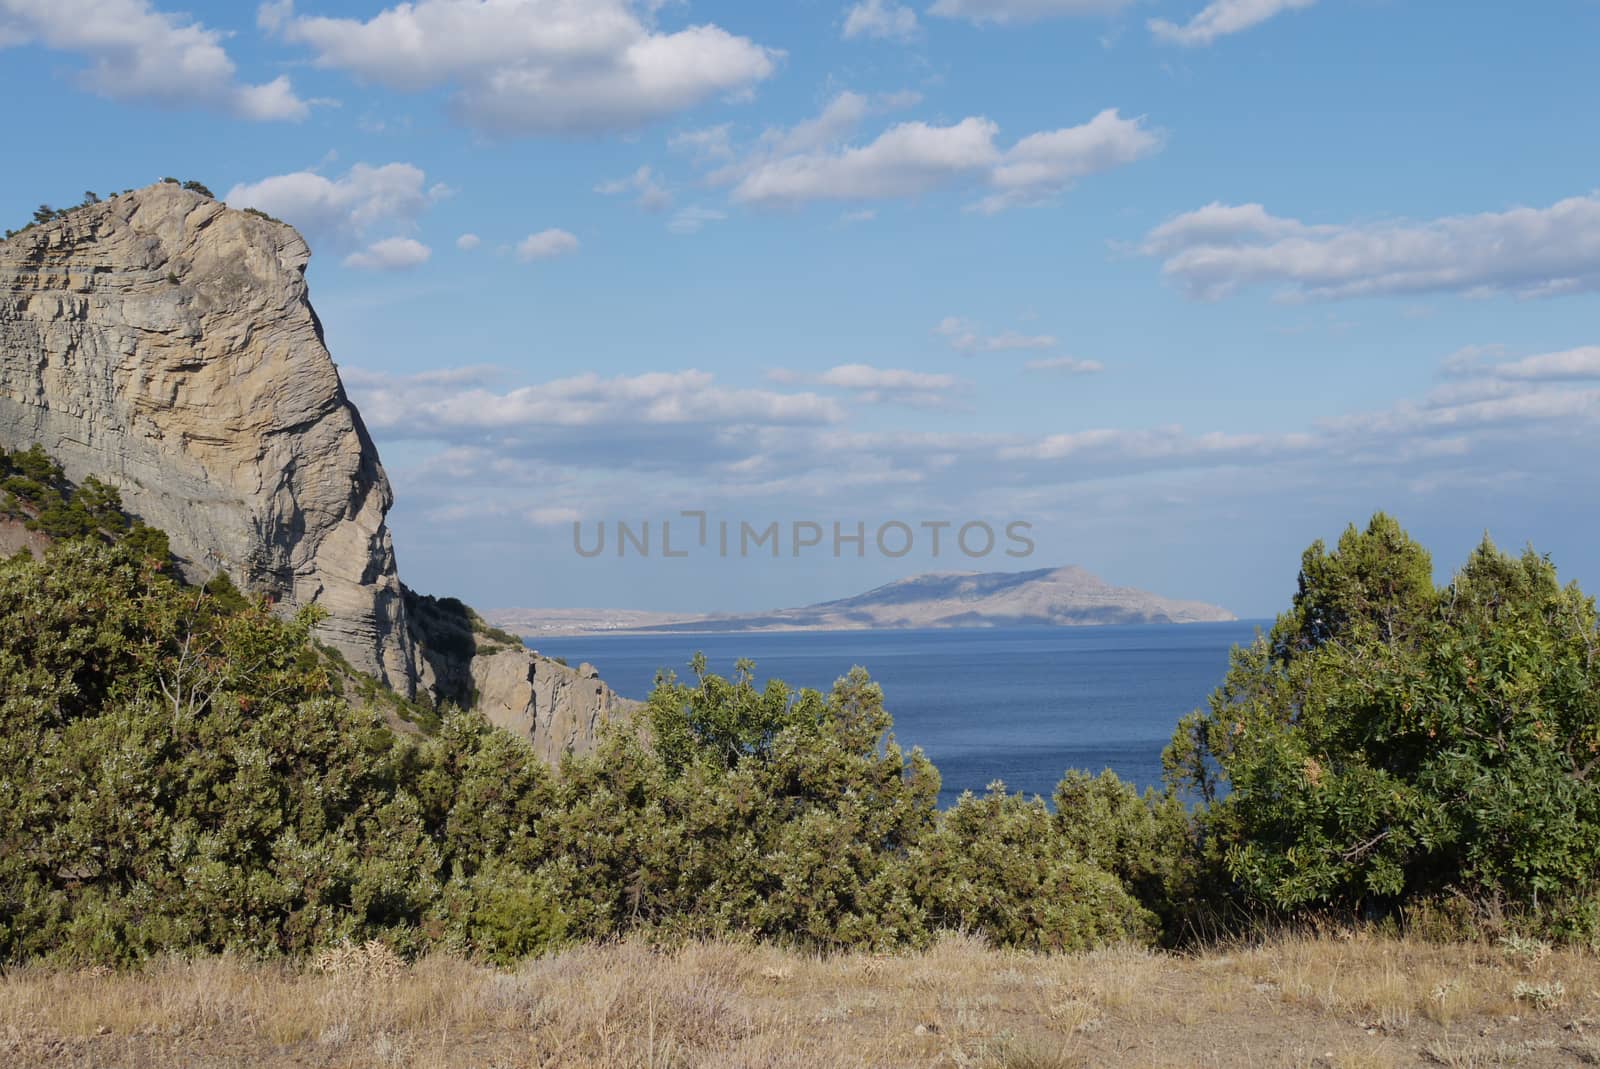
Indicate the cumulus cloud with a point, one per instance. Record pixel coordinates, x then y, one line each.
1065 365
390 254
882 19
546 245
536 66
1221 18
1003 12
905 160
468 242
137 52
812 161
966 336
838 120
343 208
651 195
1220 249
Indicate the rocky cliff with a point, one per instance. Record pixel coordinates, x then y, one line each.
167 344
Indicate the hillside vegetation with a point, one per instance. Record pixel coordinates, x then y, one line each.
180 771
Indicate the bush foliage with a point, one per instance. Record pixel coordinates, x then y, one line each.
37 491
180 771
1390 741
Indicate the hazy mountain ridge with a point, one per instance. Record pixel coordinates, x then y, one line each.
1045 597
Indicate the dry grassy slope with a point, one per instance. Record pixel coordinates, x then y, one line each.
1313 1002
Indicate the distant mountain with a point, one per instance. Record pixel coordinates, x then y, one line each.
1047 597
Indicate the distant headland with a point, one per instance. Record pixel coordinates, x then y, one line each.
1045 597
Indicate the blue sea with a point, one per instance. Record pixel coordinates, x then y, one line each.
1021 705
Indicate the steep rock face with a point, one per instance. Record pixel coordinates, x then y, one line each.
462 660
166 343
559 708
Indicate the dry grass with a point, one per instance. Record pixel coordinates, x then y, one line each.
1339 1003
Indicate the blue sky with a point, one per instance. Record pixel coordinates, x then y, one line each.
1183 286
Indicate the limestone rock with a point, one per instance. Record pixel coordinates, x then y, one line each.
167 344
559 708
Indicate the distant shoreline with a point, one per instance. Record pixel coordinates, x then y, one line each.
1041 598
641 632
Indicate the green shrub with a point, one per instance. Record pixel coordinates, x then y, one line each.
1389 742
1145 842
148 543
998 865
226 596
178 773
502 913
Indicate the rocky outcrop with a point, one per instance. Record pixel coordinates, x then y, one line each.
461 659
560 708
166 344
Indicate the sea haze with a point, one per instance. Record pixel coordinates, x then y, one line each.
1021 705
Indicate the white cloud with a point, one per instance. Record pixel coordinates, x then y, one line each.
838 120
136 52
343 208
1066 365
459 403
537 66
546 245
468 242
652 195
876 385
905 160
642 444
1567 365
557 516
1221 18
965 336
1540 405
1527 252
1219 224
882 19
809 161
1041 165
390 254
1003 12
1158 444
1490 395
867 377
707 145
693 219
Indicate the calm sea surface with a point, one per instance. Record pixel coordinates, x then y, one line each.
1019 705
